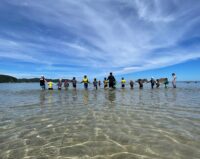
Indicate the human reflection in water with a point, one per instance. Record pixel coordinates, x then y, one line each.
85 97
42 99
50 97
112 97
74 95
140 100
174 95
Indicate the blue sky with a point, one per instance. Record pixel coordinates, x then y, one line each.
132 38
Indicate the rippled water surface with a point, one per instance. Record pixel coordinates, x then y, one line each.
99 124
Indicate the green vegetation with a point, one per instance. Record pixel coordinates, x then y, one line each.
10 79
7 78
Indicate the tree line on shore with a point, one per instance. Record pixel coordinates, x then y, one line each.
11 79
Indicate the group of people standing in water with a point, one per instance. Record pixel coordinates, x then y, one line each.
110 82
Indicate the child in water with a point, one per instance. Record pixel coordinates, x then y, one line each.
66 84
140 82
95 83
123 82
99 83
152 82
59 84
131 84
166 82
50 85
85 81
74 82
105 83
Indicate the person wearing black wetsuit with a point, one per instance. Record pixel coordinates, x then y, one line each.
42 82
111 80
74 82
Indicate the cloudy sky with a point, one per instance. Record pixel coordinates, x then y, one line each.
66 38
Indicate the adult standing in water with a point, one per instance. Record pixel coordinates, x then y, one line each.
174 80
42 82
111 80
85 81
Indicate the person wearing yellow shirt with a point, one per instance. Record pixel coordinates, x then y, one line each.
123 82
85 81
50 85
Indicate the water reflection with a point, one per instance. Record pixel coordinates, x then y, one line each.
85 97
112 98
50 97
42 99
74 95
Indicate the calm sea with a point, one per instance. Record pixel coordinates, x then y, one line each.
99 124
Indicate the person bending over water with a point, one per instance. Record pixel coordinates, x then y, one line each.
174 80
111 80
166 82
85 81
95 83
42 82
123 82
131 84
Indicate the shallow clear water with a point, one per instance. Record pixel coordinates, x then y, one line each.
102 124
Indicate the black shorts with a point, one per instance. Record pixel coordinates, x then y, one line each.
50 88
111 85
74 85
86 85
123 85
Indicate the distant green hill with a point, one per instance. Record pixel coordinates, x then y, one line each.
7 78
10 79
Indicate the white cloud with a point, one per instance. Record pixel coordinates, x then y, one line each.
119 36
